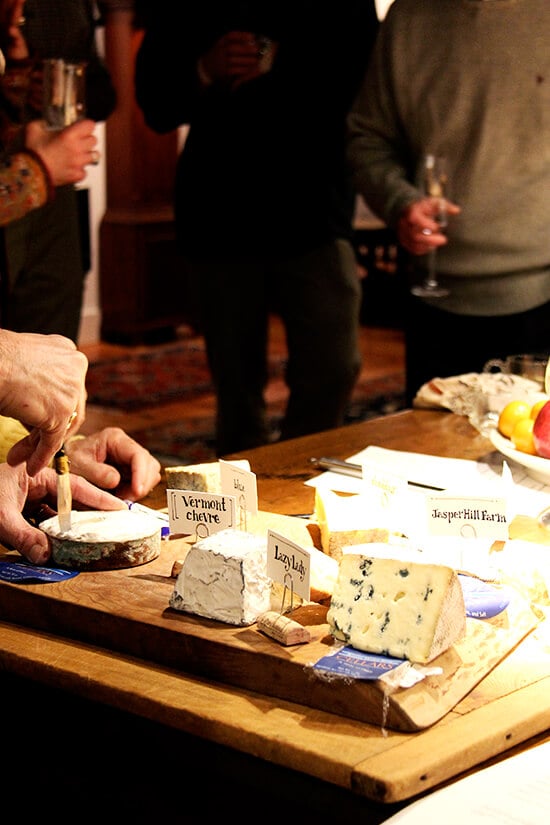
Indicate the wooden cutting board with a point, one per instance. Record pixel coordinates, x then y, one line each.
128 611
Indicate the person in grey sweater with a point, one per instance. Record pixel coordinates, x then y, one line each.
470 80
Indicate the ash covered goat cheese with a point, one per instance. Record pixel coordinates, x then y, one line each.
102 540
398 608
224 577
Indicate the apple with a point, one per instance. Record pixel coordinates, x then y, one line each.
541 432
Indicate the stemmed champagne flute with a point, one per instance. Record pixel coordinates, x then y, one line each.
433 182
544 516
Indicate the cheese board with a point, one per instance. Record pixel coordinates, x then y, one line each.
127 610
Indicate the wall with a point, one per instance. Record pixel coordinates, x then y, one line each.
90 323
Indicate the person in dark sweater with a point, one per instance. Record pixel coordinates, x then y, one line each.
263 201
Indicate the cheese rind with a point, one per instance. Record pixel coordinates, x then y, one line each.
397 608
203 478
224 577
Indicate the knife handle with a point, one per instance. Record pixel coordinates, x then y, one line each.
338 466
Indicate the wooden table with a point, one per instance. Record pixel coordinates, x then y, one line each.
160 732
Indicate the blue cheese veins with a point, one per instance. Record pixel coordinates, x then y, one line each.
398 608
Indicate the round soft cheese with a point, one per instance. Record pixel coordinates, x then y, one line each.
104 540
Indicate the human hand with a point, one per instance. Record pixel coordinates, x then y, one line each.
235 58
418 231
65 153
22 495
111 459
42 382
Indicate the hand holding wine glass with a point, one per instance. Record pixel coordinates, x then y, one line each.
433 183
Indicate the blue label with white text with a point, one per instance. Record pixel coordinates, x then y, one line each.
356 664
27 573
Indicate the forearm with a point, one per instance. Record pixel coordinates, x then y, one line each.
24 185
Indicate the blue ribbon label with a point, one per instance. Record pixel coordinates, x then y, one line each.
356 664
26 573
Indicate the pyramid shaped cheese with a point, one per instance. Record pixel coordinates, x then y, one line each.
398 608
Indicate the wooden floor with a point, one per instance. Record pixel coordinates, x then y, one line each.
382 350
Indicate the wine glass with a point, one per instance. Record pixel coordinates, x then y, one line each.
543 517
433 182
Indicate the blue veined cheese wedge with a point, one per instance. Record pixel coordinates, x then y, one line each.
224 577
398 608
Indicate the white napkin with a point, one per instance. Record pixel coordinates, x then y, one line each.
479 396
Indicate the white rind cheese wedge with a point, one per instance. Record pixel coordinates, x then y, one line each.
397 608
344 521
224 577
203 478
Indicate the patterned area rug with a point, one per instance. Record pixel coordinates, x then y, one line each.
179 371
192 441
134 383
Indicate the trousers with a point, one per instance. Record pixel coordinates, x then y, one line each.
317 295
45 268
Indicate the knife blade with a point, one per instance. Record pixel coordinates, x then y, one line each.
64 495
348 468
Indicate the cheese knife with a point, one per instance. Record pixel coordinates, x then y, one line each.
64 496
348 468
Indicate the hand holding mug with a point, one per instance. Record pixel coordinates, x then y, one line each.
65 153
